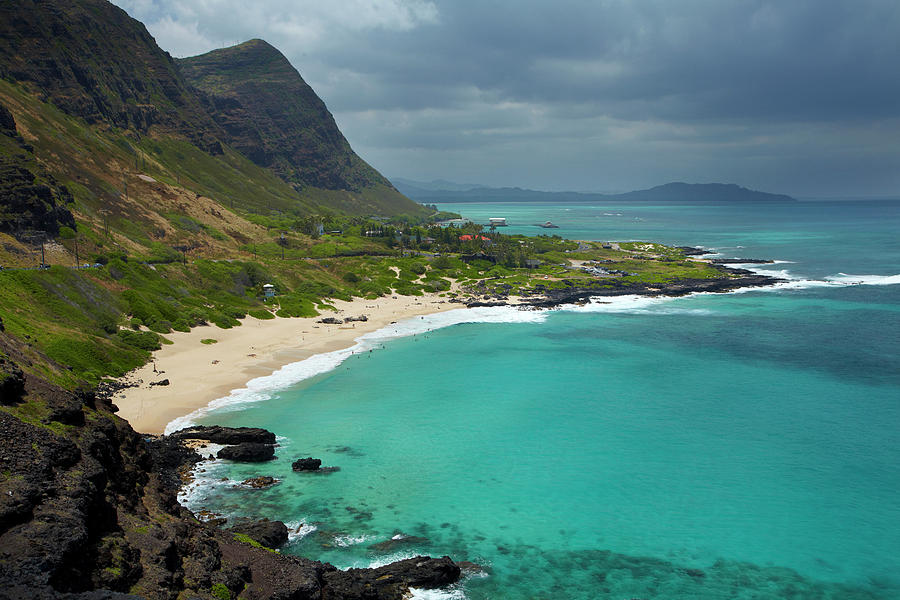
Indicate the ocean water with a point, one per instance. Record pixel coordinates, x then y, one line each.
742 445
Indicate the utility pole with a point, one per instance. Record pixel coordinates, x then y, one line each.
282 245
105 214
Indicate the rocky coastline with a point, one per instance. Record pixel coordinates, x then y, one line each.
89 509
733 279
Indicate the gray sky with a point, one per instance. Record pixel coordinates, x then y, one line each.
792 96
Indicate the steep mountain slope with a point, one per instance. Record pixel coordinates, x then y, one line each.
270 115
89 58
30 199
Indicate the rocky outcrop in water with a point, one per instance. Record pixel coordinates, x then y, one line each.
250 452
225 435
390 580
259 483
306 464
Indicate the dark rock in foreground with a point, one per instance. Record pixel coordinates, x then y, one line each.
306 464
390 581
225 435
270 534
92 512
248 452
12 382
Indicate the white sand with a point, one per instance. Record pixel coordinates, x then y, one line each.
200 373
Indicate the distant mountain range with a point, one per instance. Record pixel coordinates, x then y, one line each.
445 191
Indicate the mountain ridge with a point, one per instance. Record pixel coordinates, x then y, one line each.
271 115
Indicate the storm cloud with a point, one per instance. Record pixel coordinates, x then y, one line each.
799 97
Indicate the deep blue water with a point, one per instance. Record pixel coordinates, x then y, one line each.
739 445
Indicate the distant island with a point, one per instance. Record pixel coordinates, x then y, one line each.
446 191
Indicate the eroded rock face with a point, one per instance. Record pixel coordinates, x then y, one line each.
271 534
30 198
119 76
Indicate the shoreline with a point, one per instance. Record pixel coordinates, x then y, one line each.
199 373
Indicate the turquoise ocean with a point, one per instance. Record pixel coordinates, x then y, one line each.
742 445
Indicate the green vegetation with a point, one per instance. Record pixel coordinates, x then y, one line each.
241 537
209 341
221 591
102 322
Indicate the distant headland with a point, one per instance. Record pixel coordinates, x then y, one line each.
446 191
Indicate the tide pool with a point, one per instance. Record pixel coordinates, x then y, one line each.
713 446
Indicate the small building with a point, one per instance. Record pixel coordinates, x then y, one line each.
268 291
497 221
453 223
532 263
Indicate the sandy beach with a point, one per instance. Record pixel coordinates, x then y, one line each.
199 373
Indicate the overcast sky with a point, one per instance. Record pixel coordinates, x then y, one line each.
791 96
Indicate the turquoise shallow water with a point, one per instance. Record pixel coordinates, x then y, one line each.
714 446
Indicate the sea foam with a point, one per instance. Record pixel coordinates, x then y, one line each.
452 593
